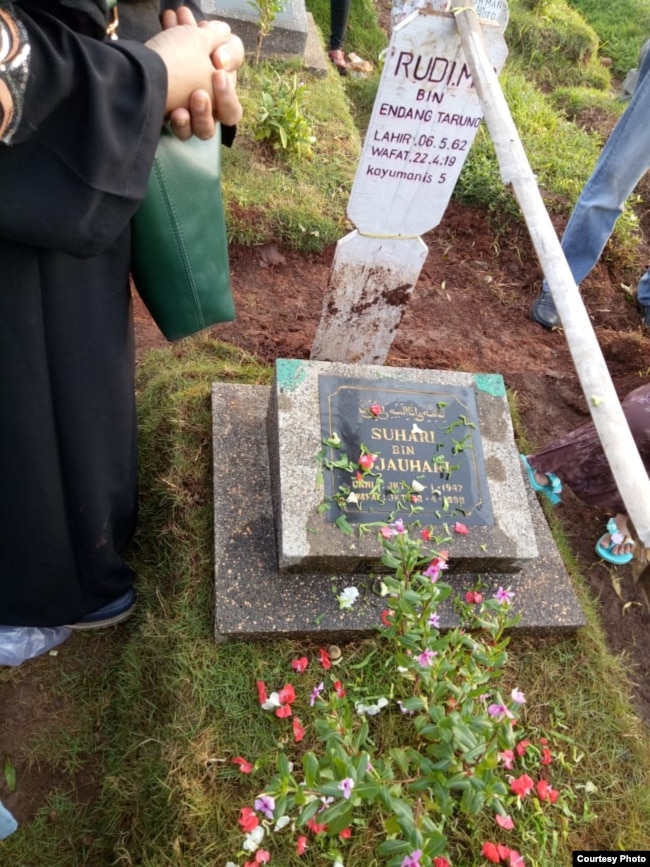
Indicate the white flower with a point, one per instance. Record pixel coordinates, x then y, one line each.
337 863
401 669
371 709
272 702
416 429
348 597
352 498
417 486
282 822
253 839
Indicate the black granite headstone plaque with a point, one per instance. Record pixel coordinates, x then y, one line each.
413 451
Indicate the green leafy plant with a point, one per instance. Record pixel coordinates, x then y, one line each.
281 121
459 756
268 11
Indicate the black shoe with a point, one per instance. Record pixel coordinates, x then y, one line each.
544 311
108 615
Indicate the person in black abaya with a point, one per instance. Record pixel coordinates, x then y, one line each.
80 117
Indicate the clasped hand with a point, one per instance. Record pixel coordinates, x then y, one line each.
202 60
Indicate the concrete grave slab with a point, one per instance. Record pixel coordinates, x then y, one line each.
254 598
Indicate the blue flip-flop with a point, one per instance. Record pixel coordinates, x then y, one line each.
551 490
615 538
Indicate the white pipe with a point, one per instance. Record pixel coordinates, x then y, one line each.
611 425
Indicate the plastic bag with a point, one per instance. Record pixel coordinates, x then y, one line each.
18 643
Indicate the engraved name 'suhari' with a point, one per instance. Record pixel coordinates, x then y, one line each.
402 435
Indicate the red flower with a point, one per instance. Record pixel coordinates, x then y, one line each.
300 664
287 694
301 844
366 461
316 827
545 792
325 660
345 834
521 748
385 618
244 766
284 711
491 852
426 534
358 476
547 758
522 786
338 688
459 528
473 598
440 862
261 691
298 730
376 409
247 819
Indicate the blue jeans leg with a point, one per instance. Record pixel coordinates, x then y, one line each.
622 163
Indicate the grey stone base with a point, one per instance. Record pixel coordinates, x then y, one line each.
253 599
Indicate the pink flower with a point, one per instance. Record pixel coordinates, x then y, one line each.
515 859
315 693
504 596
545 792
426 658
261 691
287 694
522 786
247 819
434 621
346 787
376 409
504 822
507 757
472 597
521 747
434 568
498 711
345 834
325 660
298 730
367 461
440 862
300 664
459 528
316 827
387 532
265 804
244 766
518 696
301 844
412 860
261 857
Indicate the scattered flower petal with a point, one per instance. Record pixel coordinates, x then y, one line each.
301 844
316 827
287 694
472 597
244 766
518 696
315 693
547 758
491 852
338 689
300 664
521 747
247 819
298 730
325 660
282 822
347 597
461 529
499 711
504 822
425 533
284 711
522 786
261 691
546 792
253 839
416 486
346 833
367 461
440 862
507 758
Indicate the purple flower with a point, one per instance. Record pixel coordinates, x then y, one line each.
498 711
398 526
315 693
434 621
346 787
426 658
505 597
265 804
518 696
412 860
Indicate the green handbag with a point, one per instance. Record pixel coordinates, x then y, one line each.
179 255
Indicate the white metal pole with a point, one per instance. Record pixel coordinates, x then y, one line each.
614 432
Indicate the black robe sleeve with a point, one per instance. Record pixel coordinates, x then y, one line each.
78 164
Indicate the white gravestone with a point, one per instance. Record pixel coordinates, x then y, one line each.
424 120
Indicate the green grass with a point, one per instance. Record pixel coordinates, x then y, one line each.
622 29
157 724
